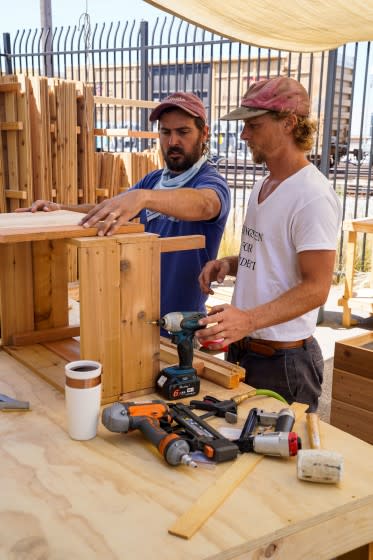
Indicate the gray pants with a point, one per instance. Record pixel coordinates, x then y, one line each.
295 373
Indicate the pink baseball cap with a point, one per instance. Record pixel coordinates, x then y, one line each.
279 94
188 102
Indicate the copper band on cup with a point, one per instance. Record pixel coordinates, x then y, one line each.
83 383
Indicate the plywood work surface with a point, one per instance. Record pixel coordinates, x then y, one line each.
116 498
34 226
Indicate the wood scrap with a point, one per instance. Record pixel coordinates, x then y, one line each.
193 519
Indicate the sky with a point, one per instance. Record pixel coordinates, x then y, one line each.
26 13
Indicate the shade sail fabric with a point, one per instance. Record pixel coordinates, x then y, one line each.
291 25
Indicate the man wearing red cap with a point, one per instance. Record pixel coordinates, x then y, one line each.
188 197
287 255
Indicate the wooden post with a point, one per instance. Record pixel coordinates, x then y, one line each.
119 291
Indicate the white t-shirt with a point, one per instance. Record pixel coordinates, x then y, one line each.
302 214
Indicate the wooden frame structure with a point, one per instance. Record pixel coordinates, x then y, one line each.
119 281
364 296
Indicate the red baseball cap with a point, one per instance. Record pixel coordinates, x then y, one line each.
188 102
279 94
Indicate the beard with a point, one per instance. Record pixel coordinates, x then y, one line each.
184 160
257 155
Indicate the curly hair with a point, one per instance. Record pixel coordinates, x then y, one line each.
303 132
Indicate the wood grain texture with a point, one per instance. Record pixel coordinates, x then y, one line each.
194 518
115 497
62 224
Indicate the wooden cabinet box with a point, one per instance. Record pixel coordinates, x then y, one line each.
352 390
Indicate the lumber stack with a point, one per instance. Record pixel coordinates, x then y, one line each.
16 179
48 144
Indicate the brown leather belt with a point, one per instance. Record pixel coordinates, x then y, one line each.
269 347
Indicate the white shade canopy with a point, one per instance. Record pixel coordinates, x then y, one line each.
291 25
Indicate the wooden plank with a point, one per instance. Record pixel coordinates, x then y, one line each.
352 420
28 226
100 337
362 225
45 363
87 179
53 120
2 176
125 132
17 125
9 87
140 300
68 349
102 193
218 371
193 519
45 335
354 355
16 290
186 242
11 145
353 389
50 278
41 139
24 143
100 100
15 194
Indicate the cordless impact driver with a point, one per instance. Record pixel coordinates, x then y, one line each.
179 381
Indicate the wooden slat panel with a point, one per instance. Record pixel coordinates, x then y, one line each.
140 301
350 355
87 180
68 349
45 363
353 389
53 120
11 146
41 139
352 420
100 340
16 290
24 143
2 176
50 275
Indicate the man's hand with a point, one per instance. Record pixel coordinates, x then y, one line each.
228 324
114 212
44 205
213 271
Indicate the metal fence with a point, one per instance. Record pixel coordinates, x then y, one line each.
128 59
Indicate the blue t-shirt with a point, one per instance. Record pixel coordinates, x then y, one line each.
180 289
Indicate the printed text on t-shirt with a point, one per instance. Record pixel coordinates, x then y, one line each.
247 247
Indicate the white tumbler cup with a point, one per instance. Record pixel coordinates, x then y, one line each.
83 398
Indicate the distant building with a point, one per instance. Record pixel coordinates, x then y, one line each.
221 83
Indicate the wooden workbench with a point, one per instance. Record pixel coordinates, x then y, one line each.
114 497
363 296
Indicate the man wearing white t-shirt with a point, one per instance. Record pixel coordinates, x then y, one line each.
287 255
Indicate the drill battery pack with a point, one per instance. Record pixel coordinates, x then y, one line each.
173 383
